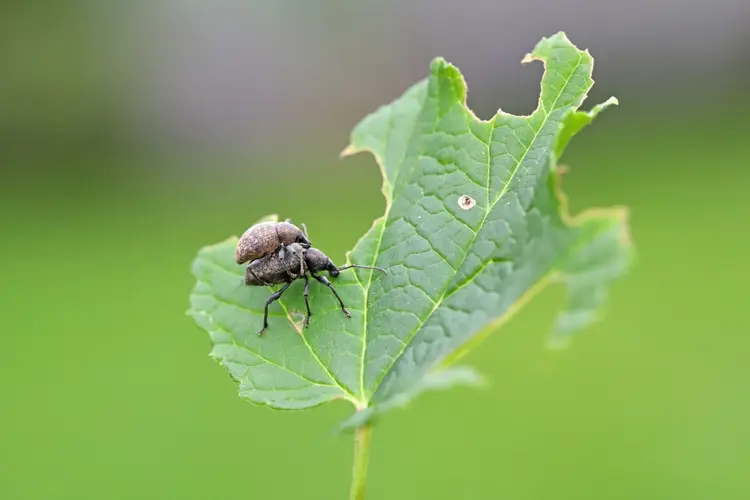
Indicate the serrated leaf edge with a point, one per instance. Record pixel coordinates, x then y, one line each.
614 212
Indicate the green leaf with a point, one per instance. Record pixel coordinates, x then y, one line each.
576 120
454 272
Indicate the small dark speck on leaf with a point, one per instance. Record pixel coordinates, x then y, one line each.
466 202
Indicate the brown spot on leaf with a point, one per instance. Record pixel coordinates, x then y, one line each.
466 202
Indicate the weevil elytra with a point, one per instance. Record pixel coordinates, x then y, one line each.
296 264
265 238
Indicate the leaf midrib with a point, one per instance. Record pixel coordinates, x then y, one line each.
389 203
388 189
346 393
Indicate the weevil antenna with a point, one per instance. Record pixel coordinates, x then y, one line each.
360 267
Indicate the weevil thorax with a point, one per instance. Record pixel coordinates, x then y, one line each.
288 233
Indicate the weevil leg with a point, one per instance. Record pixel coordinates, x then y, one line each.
327 283
307 303
273 297
302 264
300 253
283 255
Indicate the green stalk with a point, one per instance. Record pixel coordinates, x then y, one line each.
361 456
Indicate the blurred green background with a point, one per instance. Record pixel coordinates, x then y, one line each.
133 134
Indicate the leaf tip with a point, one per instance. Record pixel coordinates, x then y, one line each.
438 63
349 151
622 213
542 47
528 58
269 218
561 35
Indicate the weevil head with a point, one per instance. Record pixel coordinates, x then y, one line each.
317 261
250 278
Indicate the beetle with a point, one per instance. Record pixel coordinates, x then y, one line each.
264 238
298 263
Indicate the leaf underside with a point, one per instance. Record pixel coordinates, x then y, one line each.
453 273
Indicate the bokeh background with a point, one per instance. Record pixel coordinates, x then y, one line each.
133 133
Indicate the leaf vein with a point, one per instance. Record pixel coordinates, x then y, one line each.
411 335
223 329
315 355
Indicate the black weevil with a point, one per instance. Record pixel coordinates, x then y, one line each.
298 262
268 238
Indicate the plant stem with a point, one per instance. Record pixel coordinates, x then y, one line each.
361 455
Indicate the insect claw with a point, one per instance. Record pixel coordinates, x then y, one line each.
348 315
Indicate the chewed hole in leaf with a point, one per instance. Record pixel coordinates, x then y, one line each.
453 275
